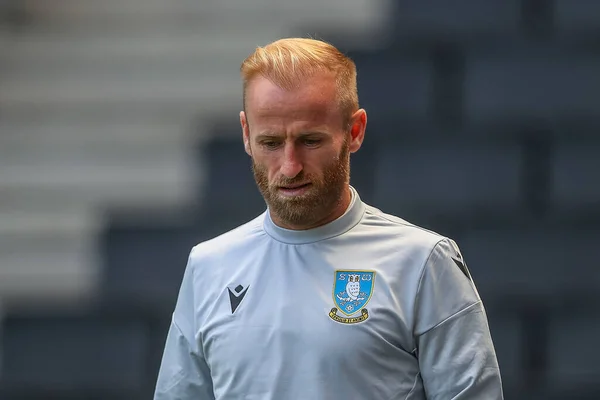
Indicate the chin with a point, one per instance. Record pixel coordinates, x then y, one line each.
300 221
296 214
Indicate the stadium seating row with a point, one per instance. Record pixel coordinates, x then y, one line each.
101 355
513 83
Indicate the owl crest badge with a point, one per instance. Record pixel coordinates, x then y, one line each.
352 291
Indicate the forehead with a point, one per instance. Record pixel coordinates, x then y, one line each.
313 102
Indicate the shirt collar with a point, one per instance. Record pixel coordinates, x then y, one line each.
344 223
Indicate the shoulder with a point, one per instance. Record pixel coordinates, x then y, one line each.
405 233
229 244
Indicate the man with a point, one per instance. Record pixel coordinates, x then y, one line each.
322 296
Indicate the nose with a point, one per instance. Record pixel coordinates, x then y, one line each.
292 164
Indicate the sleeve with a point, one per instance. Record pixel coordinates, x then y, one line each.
183 373
457 359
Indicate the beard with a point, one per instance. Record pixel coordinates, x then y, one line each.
323 196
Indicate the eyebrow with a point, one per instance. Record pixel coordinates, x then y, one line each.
267 134
271 134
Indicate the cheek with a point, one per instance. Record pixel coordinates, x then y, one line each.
322 159
268 166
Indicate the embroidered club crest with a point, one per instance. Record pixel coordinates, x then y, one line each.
352 291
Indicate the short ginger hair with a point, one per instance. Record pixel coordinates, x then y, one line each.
288 62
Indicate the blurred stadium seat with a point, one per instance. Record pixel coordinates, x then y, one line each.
507 334
531 85
573 352
575 174
144 259
230 185
74 356
550 268
577 18
391 82
459 20
433 182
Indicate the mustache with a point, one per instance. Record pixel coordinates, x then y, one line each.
300 178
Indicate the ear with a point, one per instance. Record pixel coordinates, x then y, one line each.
358 126
245 132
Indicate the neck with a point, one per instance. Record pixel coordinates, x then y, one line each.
339 210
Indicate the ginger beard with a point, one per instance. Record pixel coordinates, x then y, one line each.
324 194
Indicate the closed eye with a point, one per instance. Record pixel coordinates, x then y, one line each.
270 144
312 142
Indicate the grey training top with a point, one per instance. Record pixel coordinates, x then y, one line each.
368 306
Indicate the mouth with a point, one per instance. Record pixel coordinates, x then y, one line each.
296 186
294 190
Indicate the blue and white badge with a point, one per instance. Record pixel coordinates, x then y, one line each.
352 291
